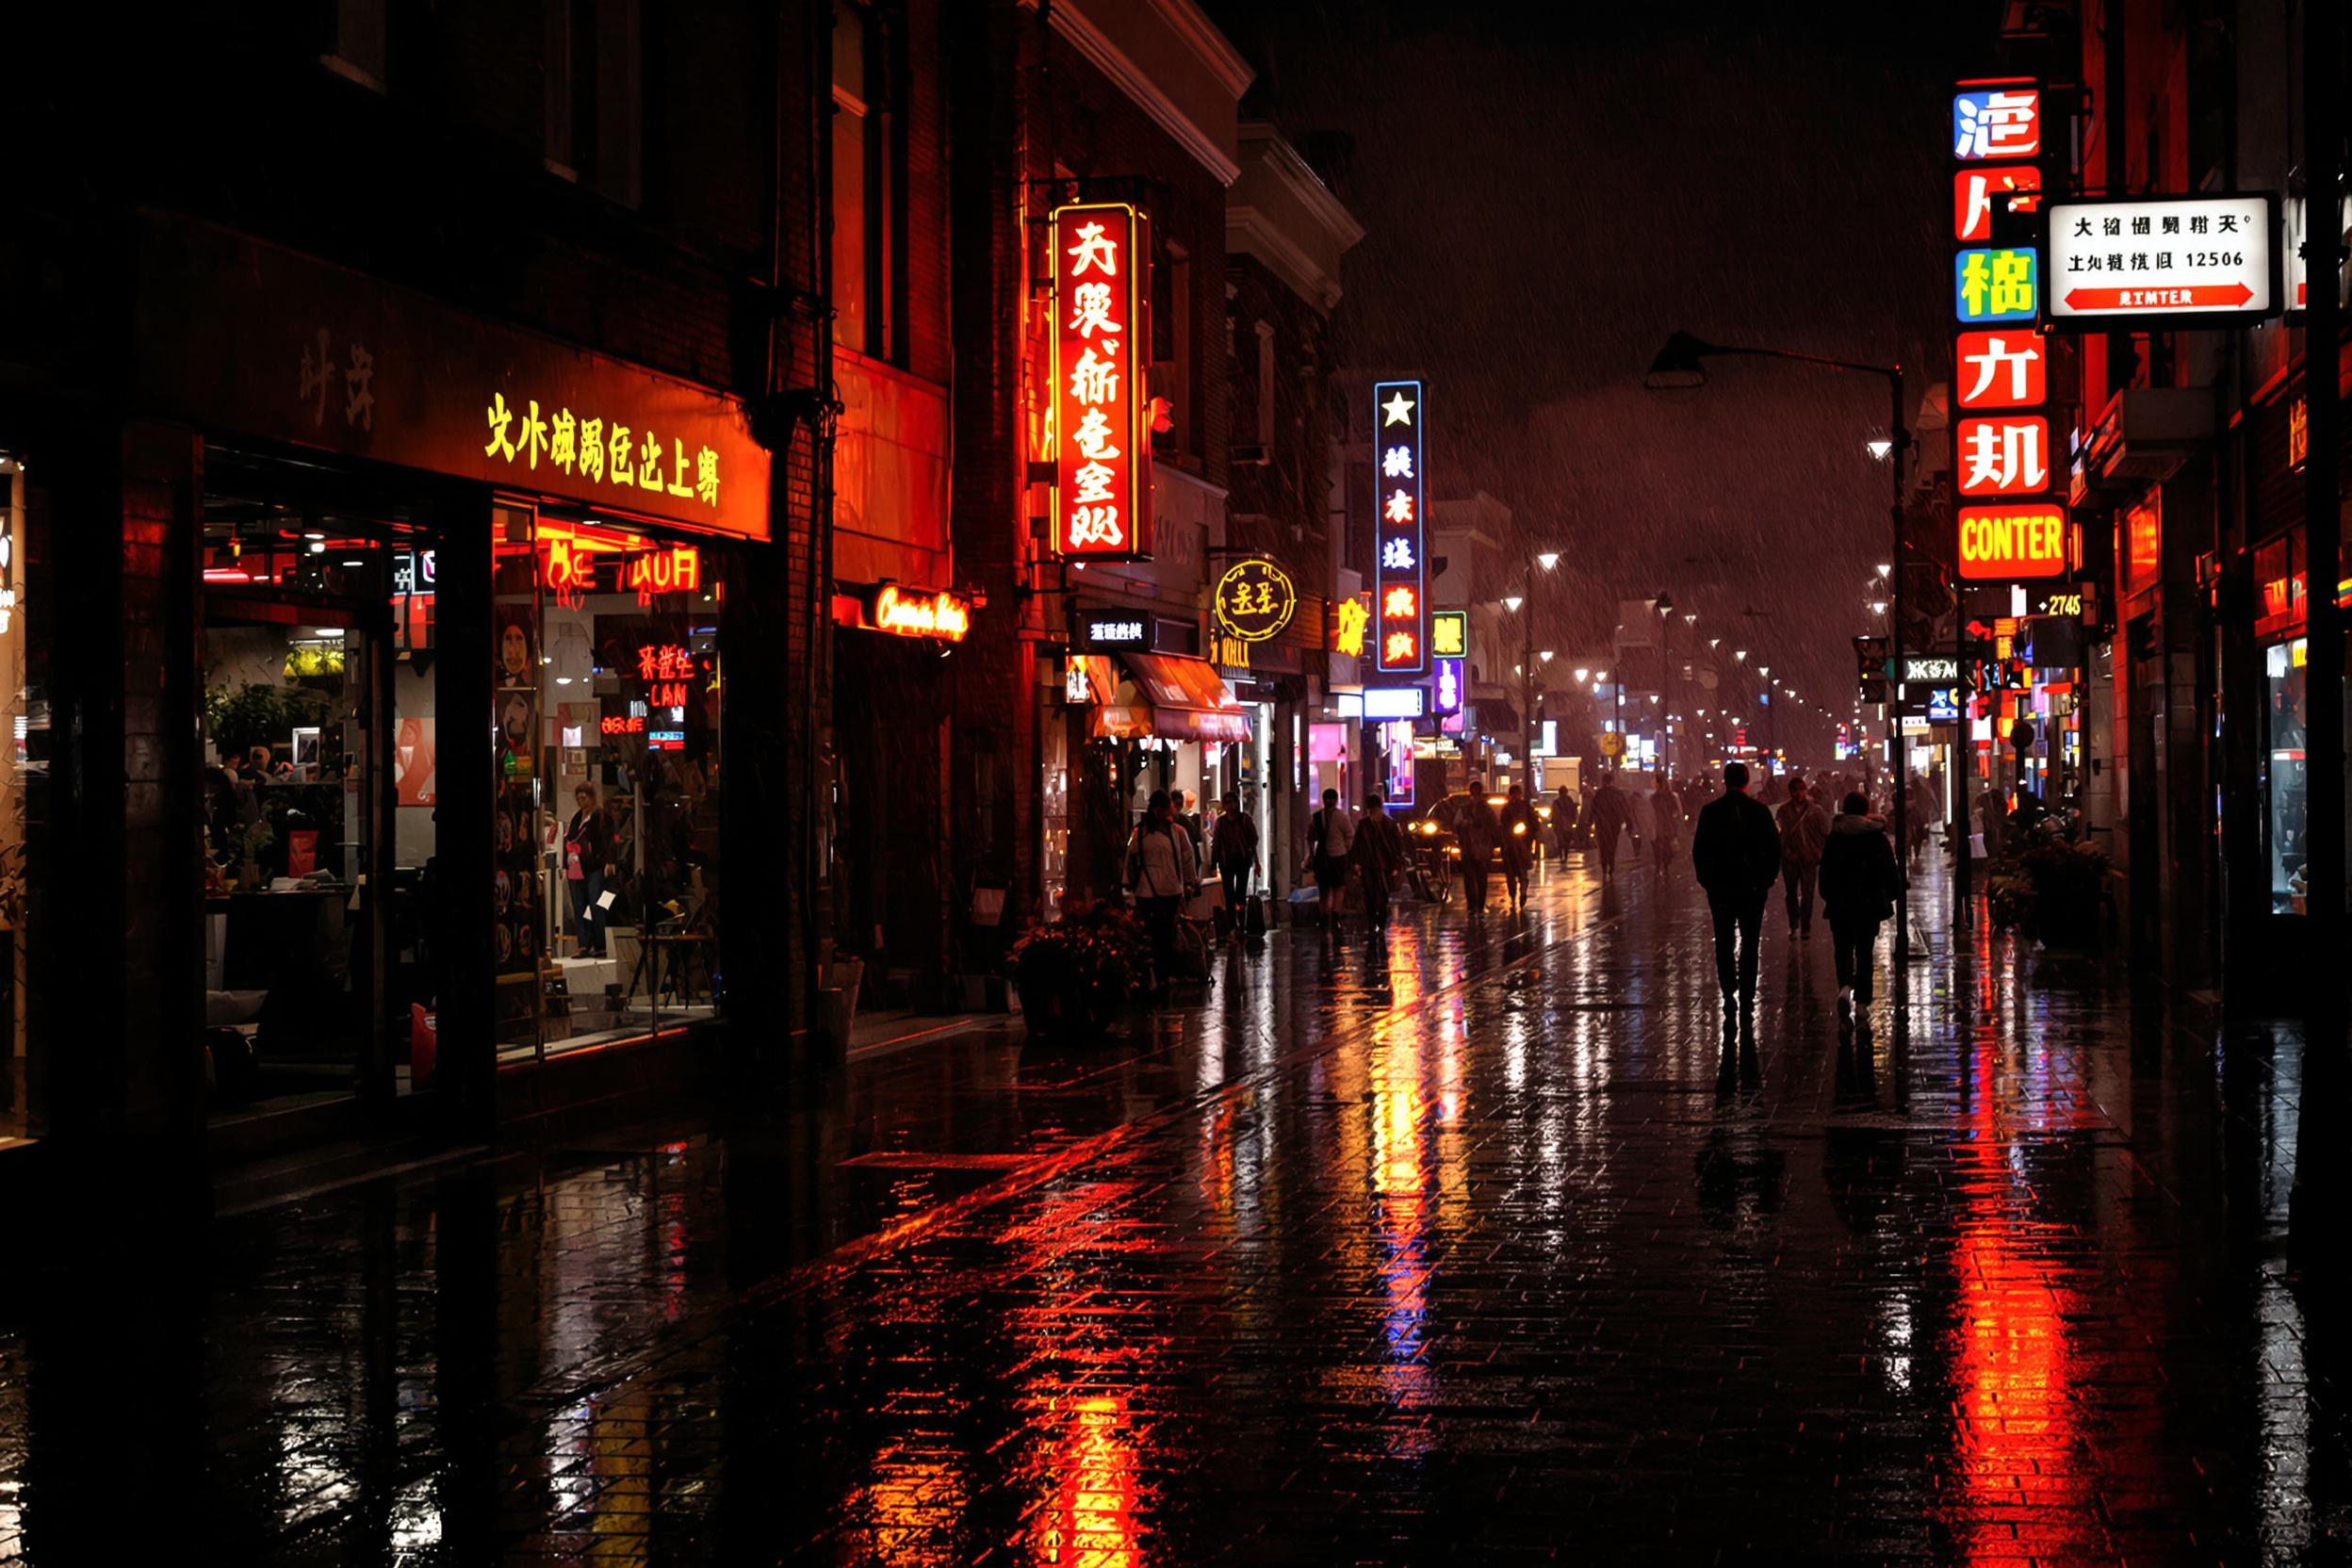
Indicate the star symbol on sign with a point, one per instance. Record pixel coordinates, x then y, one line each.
1398 409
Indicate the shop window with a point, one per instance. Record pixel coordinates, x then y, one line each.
2286 689
606 709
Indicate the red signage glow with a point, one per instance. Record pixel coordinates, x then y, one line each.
2002 368
1974 191
1102 440
919 613
2009 543
2003 454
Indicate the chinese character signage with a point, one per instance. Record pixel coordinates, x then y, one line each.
1449 633
2002 454
1254 600
1994 120
2150 263
1351 619
2011 543
2004 439
1995 285
279 346
2001 369
1975 193
1116 630
1444 685
1102 476
1400 620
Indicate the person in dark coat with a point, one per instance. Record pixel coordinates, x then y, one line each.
1612 813
1519 826
1735 852
1379 857
1859 882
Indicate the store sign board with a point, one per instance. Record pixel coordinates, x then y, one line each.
1929 669
2003 454
243 335
1102 463
1118 630
933 613
1396 702
1400 619
2008 368
2015 542
1449 633
2299 434
1351 619
1993 120
1255 600
1975 193
1444 685
1995 284
2152 263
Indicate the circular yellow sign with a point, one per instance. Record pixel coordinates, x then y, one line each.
1255 600
1612 743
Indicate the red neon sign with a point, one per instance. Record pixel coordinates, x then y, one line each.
1397 569
2003 454
622 724
2007 542
1101 489
1974 191
2005 367
920 613
676 570
664 661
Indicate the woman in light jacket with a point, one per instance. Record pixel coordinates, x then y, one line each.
1162 872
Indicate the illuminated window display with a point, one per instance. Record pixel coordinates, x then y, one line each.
606 706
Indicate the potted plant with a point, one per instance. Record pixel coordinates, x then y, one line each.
255 840
1078 972
2050 890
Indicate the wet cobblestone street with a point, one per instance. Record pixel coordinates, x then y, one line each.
1470 1248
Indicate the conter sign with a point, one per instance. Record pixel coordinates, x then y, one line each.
2152 263
2009 543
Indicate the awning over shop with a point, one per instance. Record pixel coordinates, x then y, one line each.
1170 697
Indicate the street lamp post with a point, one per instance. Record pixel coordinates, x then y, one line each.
1678 366
1548 559
1665 687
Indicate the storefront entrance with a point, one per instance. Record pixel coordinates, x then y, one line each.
306 986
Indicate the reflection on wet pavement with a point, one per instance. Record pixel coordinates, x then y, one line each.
1466 1246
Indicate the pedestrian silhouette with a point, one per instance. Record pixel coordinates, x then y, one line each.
1735 852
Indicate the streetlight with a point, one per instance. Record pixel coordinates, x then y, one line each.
1679 364
1548 559
1665 642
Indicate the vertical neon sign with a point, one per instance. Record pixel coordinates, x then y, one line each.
1400 619
1102 435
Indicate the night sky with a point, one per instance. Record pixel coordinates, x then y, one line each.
1544 201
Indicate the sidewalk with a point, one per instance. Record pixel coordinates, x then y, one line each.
1473 1251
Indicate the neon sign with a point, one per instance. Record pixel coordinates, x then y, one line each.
1445 685
2000 369
1449 633
1999 122
587 447
1101 489
1402 629
2005 454
676 570
569 560
2010 542
919 613
1350 619
1255 600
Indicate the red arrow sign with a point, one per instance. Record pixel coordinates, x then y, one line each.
2210 296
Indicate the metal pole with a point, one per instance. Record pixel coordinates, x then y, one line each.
1665 694
1894 717
1527 686
1959 778
2321 1175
